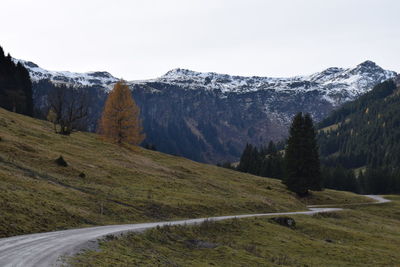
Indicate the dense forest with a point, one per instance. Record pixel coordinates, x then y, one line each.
365 132
15 86
360 142
359 145
264 161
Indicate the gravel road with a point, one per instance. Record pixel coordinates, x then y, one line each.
47 249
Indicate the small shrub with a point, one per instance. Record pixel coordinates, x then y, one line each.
82 175
61 162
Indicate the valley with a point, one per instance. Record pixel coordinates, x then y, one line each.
209 117
199 133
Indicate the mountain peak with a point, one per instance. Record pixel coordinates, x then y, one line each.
368 64
100 74
178 72
95 78
369 67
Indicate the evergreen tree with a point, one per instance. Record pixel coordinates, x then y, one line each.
312 155
263 161
301 157
15 86
25 85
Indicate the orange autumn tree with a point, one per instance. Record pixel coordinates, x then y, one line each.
120 121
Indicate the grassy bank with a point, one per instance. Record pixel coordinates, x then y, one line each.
367 235
107 184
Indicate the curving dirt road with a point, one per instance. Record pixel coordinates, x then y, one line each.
47 249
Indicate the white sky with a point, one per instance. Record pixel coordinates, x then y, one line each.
137 39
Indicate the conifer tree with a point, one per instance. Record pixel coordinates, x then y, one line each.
301 157
120 121
313 162
15 86
245 163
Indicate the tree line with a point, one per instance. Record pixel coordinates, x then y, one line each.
358 145
297 164
269 163
361 141
15 86
265 161
120 120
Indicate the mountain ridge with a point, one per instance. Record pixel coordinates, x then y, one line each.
209 117
229 83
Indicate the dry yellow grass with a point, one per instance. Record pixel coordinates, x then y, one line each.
120 184
367 235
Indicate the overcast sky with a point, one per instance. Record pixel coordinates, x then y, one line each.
135 39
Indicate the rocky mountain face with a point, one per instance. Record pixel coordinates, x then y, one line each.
101 79
209 117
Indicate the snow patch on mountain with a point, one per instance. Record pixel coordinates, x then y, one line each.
101 79
338 85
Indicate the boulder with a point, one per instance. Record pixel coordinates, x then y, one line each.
284 221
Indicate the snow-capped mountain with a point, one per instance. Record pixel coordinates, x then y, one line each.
97 78
210 117
337 84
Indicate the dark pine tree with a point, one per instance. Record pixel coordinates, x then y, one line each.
313 163
302 164
263 161
245 159
15 86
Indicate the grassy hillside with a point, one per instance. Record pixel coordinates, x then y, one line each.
107 184
367 235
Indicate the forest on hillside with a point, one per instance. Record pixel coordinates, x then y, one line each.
15 86
358 144
364 133
364 136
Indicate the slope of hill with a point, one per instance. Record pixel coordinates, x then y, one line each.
365 131
364 135
209 117
367 235
107 184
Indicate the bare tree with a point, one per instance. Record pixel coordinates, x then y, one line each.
67 108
